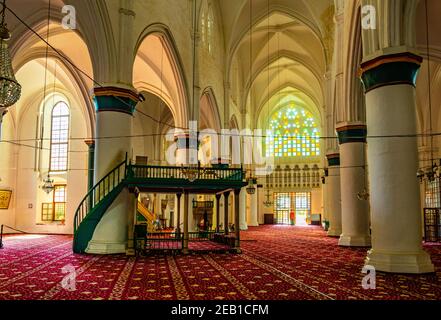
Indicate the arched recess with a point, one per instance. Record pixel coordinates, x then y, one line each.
354 108
158 69
32 129
76 60
209 111
150 129
28 122
429 47
210 127
94 16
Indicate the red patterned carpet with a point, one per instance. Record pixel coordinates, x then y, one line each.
278 263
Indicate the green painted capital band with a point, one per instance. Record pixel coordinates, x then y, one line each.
333 160
352 134
390 70
116 100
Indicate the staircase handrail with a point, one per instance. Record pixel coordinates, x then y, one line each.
88 202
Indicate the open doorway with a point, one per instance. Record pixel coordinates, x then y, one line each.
292 208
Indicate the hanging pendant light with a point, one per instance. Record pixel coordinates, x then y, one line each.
251 189
48 185
268 203
10 89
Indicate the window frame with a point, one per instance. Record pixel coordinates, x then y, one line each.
284 145
52 143
53 205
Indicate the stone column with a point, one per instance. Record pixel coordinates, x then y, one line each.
218 197
178 214
130 251
114 114
185 242
333 189
389 83
254 219
91 163
243 209
226 213
237 220
354 211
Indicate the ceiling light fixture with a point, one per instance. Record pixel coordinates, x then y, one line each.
10 89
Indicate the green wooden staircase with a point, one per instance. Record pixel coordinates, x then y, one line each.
154 178
95 204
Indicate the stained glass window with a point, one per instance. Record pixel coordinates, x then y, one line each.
293 133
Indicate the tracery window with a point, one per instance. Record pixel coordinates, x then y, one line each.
207 28
293 133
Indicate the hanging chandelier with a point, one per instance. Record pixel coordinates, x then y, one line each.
48 185
251 189
268 203
10 89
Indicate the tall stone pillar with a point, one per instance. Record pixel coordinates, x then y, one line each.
218 198
226 212
114 114
91 163
236 221
243 209
254 219
389 83
178 215
354 211
186 236
333 189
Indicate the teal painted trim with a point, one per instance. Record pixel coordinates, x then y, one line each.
391 73
333 160
87 227
115 104
352 135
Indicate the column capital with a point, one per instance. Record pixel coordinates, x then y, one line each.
387 70
90 143
116 99
333 159
348 132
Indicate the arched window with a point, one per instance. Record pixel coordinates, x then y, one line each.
204 27
59 137
293 133
210 29
207 27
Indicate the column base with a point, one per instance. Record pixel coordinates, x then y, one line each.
354 241
130 252
416 263
98 247
243 227
334 232
253 224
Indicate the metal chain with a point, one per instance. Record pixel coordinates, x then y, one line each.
3 12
